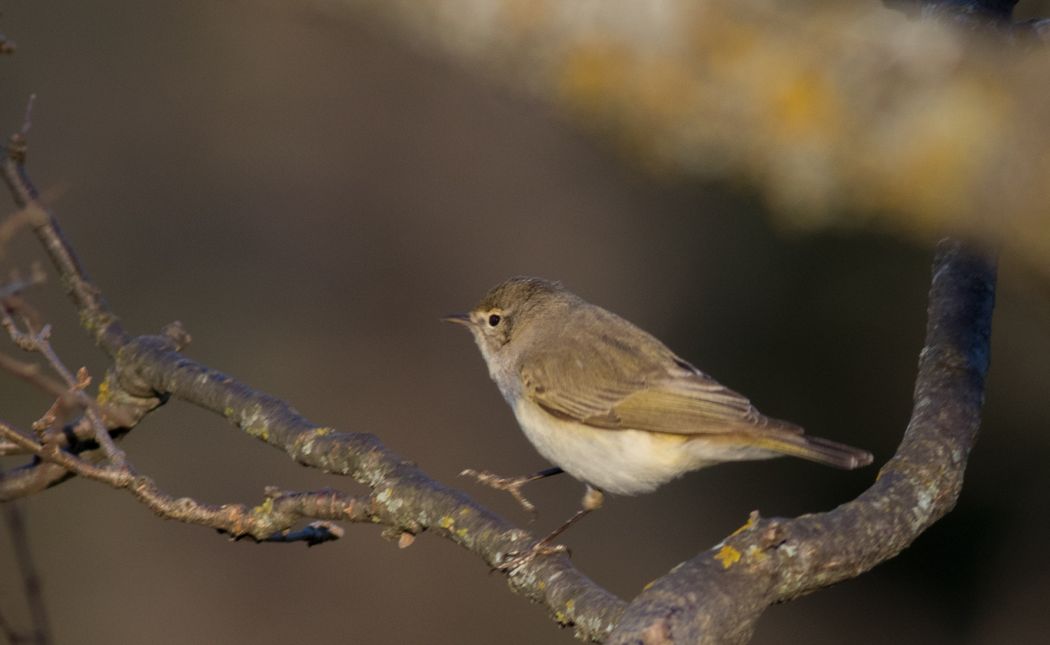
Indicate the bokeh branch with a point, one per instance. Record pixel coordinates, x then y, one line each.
841 114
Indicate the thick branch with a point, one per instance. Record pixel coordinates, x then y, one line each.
404 498
715 597
718 596
149 369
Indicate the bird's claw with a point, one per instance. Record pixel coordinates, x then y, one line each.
518 560
511 485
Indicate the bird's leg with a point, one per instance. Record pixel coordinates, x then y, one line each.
592 501
511 484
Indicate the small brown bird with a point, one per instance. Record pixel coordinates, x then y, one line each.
611 405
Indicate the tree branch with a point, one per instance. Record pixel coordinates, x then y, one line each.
268 521
41 634
403 497
95 315
718 596
39 341
149 369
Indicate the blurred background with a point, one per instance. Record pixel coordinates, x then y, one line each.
309 189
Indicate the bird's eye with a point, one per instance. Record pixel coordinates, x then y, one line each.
494 320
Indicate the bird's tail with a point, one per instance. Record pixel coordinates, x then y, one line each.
791 441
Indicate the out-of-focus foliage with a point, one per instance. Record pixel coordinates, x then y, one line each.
840 113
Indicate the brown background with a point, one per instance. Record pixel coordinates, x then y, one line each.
309 195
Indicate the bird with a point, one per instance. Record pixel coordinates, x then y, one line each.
613 406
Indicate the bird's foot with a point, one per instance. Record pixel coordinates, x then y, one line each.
517 560
511 485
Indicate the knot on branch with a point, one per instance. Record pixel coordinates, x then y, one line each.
177 334
130 361
17 148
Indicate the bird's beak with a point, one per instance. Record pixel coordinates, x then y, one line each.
459 319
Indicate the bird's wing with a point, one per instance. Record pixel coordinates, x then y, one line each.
690 404
607 385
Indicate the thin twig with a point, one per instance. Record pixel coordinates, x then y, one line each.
267 521
31 478
39 342
30 578
73 433
121 411
94 312
16 285
32 374
27 117
16 304
10 226
11 635
24 218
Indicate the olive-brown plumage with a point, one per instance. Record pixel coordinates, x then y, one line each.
589 371
610 404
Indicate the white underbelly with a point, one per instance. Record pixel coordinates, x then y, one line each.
625 462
